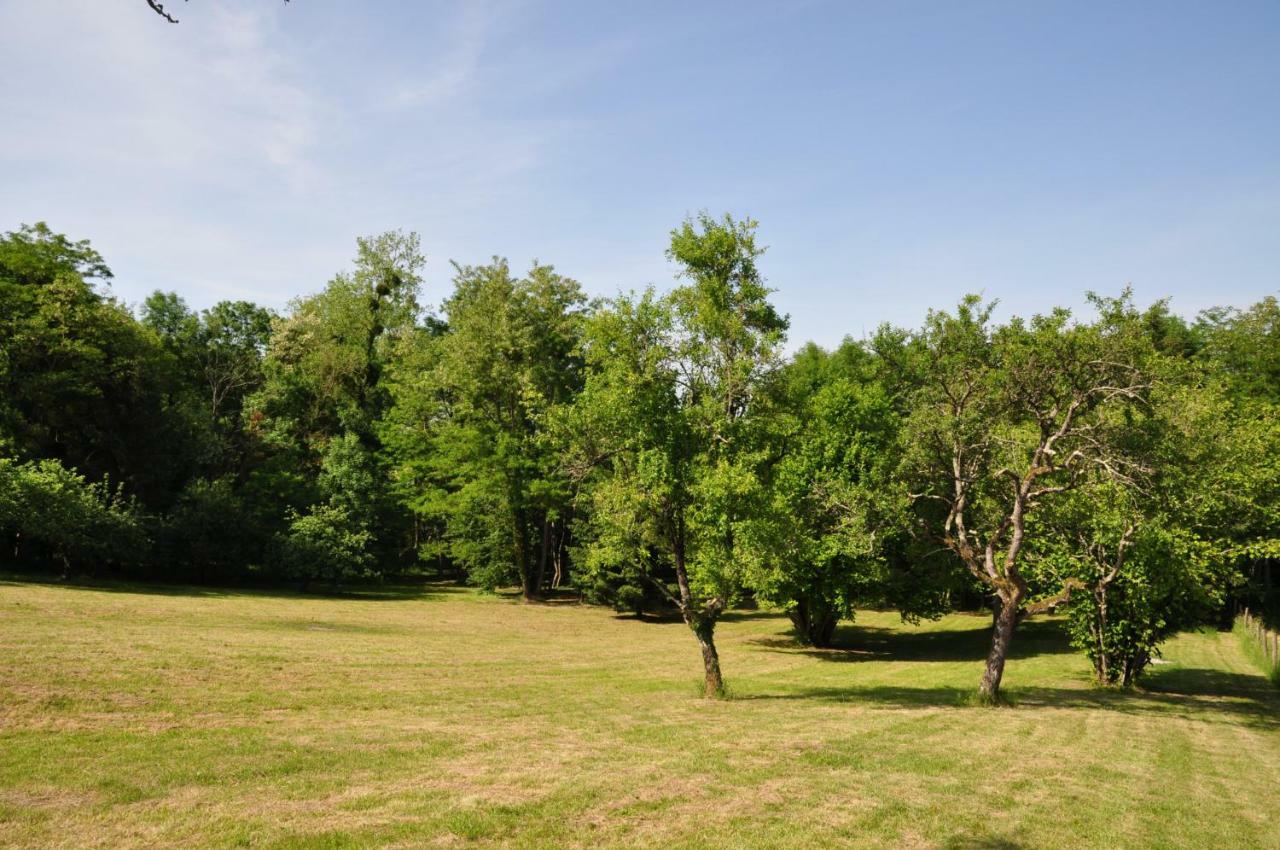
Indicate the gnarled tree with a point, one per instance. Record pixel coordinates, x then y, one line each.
1005 417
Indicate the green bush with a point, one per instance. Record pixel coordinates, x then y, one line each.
49 513
326 544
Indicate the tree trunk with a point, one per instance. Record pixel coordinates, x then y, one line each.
1001 637
1104 674
543 554
814 622
520 539
701 622
704 630
557 556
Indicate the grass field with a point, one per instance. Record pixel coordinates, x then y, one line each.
135 717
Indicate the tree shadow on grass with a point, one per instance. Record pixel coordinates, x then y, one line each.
867 643
362 593
985 842
1198 694
1207 681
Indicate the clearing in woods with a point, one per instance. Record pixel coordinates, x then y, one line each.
147 717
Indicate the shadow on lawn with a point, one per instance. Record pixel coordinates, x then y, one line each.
865 643
1190 693
987 842
369 593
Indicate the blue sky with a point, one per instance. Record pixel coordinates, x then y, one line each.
897 155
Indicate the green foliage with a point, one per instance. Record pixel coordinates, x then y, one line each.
49 511
323 396
833 512
325 360
470 424
1243 346
209 535
80 380
1144 574
326 544
653 450
671 428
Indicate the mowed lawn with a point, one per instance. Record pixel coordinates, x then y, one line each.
136 717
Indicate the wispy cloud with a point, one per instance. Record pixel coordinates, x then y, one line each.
213 94
459 46
239 153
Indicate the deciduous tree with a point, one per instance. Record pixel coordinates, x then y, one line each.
1004 418
669 426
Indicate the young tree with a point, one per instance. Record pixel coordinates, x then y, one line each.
1005 418
669 442
1144 573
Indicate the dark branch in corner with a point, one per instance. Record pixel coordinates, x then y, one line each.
159 9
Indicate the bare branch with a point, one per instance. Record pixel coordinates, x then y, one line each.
159 9
1041 606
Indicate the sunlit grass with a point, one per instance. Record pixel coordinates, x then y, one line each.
132 718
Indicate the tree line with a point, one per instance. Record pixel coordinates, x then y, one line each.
655 451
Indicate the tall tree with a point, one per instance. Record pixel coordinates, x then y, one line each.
324 389
1241 352
471 421
80 380
670 443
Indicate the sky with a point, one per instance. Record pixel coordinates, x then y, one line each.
896 154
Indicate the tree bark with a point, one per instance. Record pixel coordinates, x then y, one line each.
1001 637
704 629
1104 674
543 554
521 541
701 622
557 556
814 622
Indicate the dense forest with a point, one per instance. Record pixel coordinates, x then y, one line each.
656 451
